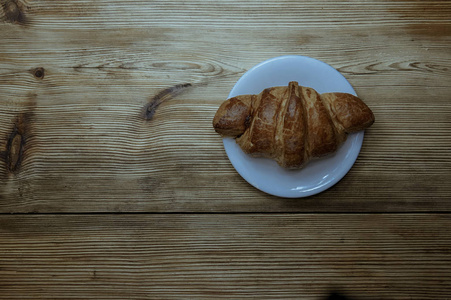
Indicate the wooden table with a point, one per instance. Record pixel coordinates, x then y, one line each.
100 200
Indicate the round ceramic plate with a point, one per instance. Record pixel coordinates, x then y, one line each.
318 175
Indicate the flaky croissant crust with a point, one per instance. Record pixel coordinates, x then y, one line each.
292 124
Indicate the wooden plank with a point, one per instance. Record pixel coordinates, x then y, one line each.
287 256
75 76
229 13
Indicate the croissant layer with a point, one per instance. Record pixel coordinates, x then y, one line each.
292 124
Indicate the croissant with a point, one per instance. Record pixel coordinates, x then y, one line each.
291 124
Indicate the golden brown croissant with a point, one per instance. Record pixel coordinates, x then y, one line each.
292 124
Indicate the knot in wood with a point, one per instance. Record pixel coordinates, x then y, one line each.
39 73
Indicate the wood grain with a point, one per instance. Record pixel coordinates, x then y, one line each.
106 106
82 73
361 256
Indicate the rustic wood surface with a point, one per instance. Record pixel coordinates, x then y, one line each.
99 199
258 256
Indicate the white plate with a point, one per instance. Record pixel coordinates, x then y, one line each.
318 175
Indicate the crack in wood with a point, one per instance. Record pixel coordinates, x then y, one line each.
164 95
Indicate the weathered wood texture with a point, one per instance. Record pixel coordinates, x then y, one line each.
75 76
75 79
361 256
